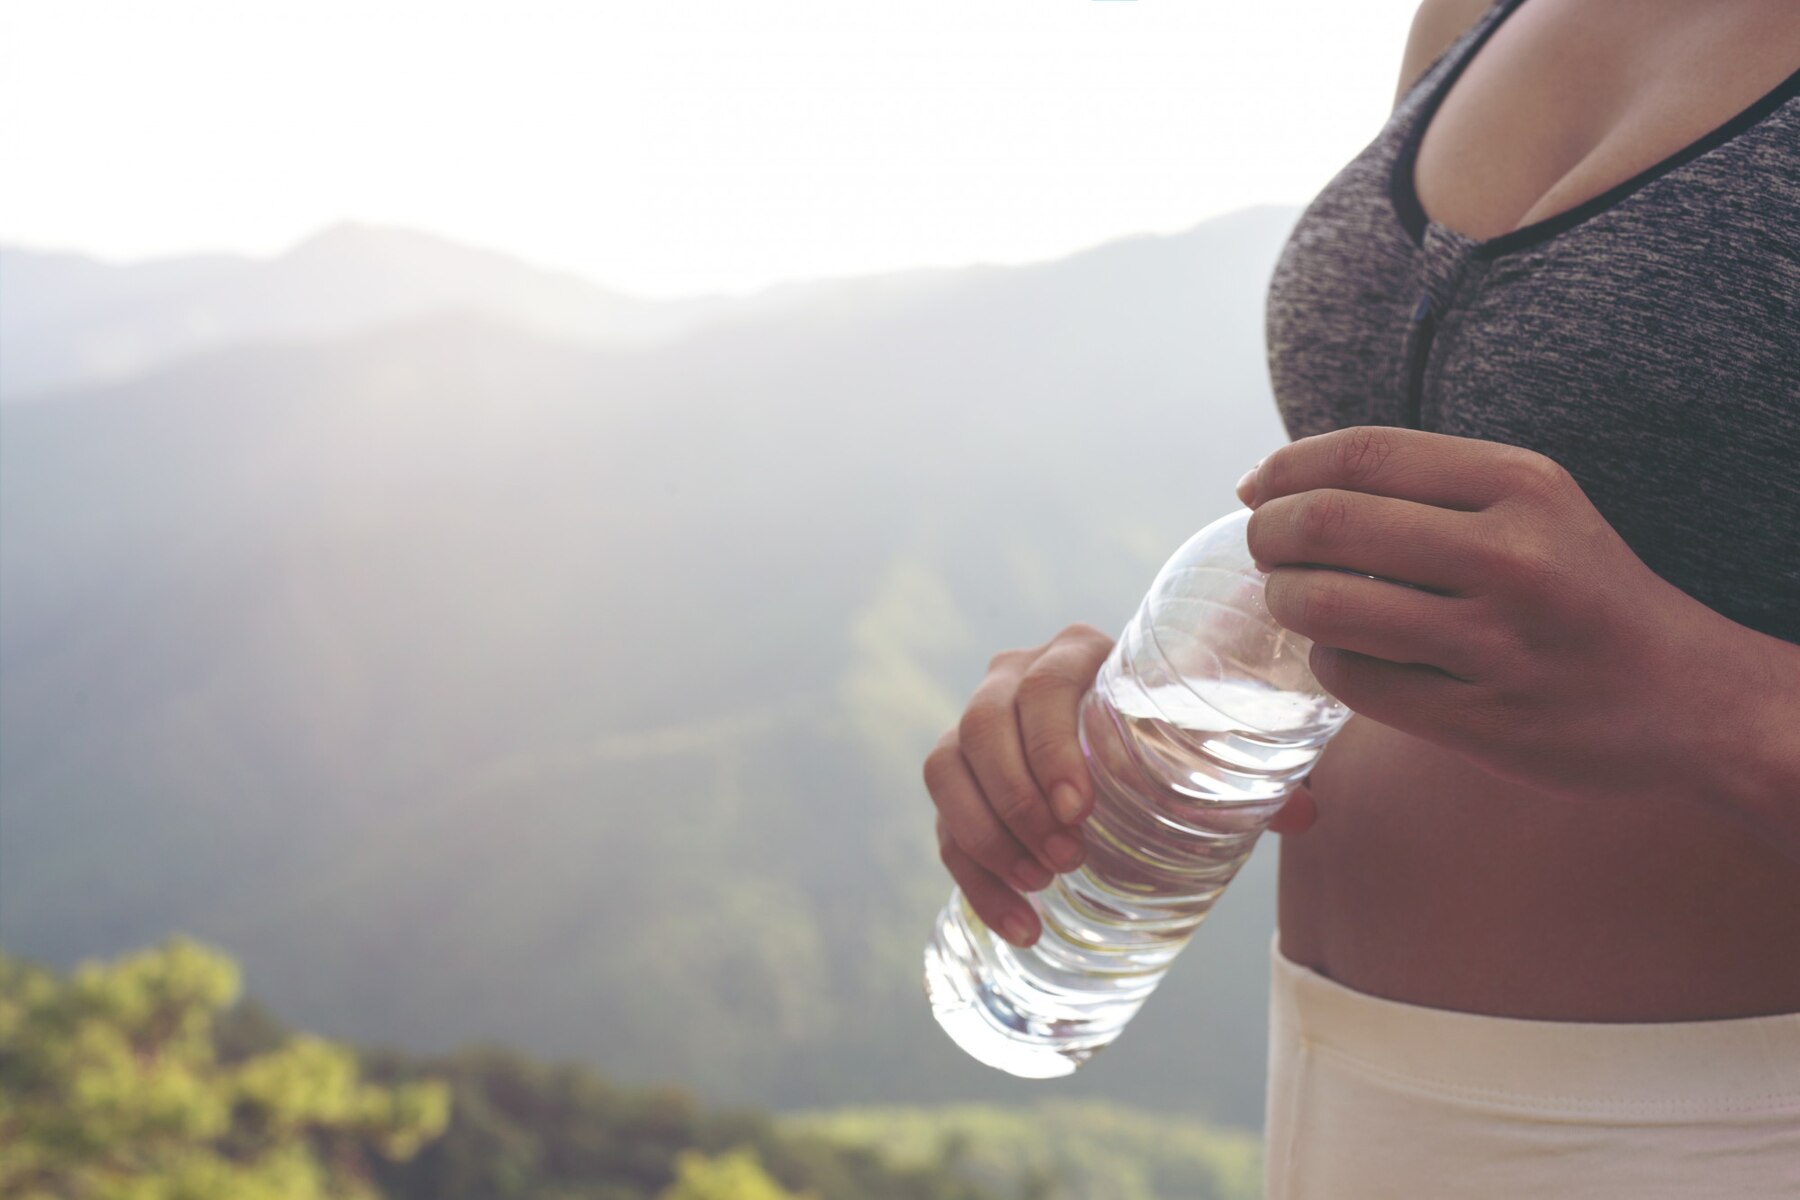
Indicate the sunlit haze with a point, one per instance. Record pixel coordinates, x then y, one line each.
669 147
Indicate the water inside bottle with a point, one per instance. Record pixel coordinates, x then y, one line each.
1201 720
1184 785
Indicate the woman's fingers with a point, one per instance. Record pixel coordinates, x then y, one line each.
1049 699
999 907
1373 535
994 776
1379 619
993 746
1438 469
965 815
1402 696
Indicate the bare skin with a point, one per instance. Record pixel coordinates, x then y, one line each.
1493 898
1569 97
1467 841
1541 808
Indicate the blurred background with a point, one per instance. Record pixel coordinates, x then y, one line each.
497 501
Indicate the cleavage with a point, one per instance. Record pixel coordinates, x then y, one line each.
1569 98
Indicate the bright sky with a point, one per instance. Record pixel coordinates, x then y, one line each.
668 147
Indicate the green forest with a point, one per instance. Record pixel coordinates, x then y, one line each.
151 1077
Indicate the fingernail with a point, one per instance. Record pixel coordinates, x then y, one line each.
1028 876
1014 930
1065 802
1246 487
1063 850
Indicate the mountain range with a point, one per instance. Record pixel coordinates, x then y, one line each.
69 320
479 656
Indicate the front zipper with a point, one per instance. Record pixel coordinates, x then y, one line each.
1424 328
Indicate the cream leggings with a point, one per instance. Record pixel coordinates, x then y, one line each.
1374 1099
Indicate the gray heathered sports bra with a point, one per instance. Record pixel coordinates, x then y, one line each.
1648 340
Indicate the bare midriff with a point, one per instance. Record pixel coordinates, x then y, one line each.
1428 881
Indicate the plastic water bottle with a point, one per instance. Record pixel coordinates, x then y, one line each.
1201 721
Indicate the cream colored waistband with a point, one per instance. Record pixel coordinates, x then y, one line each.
1750 1064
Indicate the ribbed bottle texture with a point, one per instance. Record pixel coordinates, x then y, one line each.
1198 726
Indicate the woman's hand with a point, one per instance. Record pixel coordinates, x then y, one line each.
1533 641
1012 787
1009 780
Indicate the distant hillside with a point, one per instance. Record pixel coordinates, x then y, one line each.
417 664
68 321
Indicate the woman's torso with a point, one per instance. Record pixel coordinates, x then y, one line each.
1647 337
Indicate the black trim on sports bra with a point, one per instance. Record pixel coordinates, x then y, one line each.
1404 196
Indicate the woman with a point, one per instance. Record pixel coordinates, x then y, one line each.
1539 346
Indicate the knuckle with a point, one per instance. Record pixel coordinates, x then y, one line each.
1475 657
1017 804
1079 632
988 848
1038 685
1531 562
981 724
1361 452
1004 659
1322 516
1050 748
1538 475
1490 549
1543 475
1054 757
1319 605
1082 647
937 767
1511 552
1535 559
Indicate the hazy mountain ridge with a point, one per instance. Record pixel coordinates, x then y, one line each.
67 321
444 654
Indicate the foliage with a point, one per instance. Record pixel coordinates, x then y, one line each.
111 1088
735 1176
1060 1151
146 1079
523 1130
